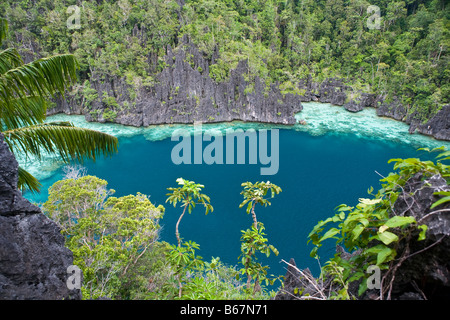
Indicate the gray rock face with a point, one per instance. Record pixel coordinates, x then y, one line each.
11 200
439 125
416 201
184 93
33 259
428 266
393 109
333 91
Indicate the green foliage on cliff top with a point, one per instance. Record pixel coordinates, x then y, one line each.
282 40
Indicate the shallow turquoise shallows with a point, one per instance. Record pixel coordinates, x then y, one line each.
331 160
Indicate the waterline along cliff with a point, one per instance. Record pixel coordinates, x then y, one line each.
183 94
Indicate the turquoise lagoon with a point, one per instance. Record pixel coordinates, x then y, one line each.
331 160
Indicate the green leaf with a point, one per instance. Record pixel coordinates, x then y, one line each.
249 207
442 200
384 254
399 221
443 154
362 288
356 276
423 230
313 252
357 230
329 234
28 181
61 138
387 237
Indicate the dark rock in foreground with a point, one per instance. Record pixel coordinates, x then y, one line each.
439 125
33 259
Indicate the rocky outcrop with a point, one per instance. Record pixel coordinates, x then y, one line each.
365 100
392 109
422 271
33 259
183 92
333 91
11 200
425 274
438 126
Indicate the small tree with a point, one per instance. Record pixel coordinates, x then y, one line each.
107 235
189 195
183 256
256 193
253 239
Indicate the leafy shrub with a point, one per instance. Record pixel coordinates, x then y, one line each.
372 229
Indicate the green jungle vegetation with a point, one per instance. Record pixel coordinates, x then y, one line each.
115 240
284 41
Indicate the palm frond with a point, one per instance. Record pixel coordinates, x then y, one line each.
22 112
61 138
27 181
9 59
43 77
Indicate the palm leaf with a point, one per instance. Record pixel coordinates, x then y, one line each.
43 77
27 181
9 59
61 138
23 90
22 112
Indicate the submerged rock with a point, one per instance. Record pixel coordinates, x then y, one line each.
352 106
33 259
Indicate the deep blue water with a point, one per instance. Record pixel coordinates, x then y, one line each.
316 173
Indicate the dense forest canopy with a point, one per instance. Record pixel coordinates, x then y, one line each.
284 41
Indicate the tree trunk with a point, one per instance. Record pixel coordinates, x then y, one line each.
177 234
255 222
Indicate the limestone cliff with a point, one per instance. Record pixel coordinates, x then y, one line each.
183 92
